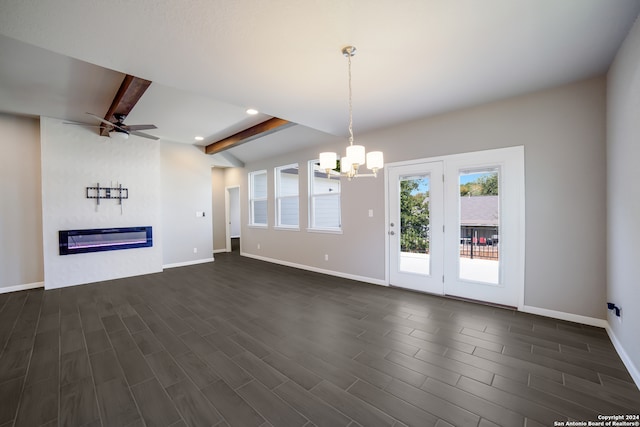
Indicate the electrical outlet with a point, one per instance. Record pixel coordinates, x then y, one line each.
258 245
195 250
370 213
326 257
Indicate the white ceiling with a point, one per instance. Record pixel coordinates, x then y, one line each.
211 59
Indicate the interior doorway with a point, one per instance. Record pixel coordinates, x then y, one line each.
232 218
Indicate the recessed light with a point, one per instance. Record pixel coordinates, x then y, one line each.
199 138
252 111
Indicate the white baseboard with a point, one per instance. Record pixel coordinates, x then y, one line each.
634 371
218 251
592 321
569 317
24 287
186 263
318 270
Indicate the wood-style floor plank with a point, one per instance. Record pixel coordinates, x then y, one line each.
318 412
241 342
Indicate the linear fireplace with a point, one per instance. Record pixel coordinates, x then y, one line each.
104 239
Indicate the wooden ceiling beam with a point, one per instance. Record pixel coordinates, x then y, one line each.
267 127
130 92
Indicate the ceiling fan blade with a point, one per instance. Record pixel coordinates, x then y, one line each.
139 127
106 122
83 124
144 135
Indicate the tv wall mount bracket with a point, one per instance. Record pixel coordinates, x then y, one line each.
98 193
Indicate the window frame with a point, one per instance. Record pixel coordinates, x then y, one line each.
253 199
277 171
313 196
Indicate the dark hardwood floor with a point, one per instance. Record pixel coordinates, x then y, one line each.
241 342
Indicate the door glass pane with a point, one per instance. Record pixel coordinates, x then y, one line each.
479 223
414 224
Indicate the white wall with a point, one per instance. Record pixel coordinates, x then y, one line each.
563 132
74 158
20 204
623 197
185 189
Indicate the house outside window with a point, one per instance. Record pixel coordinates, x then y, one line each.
287 199
258 198
324 200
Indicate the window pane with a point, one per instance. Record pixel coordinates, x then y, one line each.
289 211
327 211
324 185
259 186
480 225
258 197
287 195
259 211
288 182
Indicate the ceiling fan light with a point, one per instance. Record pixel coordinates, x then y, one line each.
122 136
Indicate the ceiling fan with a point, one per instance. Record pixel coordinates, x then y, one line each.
118 129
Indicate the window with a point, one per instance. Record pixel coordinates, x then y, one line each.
258 198
287 205
324 199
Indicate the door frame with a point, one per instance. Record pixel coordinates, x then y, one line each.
518 258
227 213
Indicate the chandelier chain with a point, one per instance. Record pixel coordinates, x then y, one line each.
349 55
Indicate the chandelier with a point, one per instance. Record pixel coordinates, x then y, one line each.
355 154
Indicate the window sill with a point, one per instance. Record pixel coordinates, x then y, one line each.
325 230
285 228
263 226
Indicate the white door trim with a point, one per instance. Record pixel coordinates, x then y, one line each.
227 214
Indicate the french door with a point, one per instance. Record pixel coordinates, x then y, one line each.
456 225
415 226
